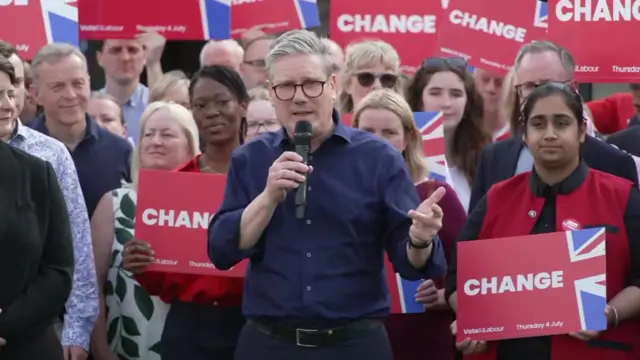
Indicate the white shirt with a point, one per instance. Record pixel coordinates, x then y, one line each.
461 186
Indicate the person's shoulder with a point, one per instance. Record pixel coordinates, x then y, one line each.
602 149
508 185
609 179
499 147
629 133
113 140
366 141
29 165
44 144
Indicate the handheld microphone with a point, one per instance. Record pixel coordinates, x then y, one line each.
302 139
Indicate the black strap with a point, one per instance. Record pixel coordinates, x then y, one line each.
316 337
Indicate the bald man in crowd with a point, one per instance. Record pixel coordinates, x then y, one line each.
224 52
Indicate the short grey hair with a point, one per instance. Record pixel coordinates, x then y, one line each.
537 47
52 53
230 44
299 42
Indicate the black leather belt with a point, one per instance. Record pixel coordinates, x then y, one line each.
317 337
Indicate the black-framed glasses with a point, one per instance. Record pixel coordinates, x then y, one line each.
366 79
455 62
523 90
310 88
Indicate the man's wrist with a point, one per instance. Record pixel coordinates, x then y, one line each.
419 245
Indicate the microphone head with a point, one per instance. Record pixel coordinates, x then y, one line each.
303 132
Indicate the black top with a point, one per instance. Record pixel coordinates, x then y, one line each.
539 348
499 160
627 140
36 256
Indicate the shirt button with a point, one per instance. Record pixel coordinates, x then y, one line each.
309 188
310 157
308 288
308 222
308 254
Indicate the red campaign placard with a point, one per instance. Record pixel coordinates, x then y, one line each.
31 24
173 19
410 26
594 32
542 285
273 16
173 213
489 33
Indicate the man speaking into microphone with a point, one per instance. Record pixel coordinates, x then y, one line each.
316 285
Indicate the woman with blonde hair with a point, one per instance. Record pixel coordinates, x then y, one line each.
172 86
131 318
369 65
386 114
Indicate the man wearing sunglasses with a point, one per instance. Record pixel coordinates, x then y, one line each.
538 63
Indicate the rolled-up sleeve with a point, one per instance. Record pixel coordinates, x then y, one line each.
632 224
470 231
82 307
42 300
224 229
400 196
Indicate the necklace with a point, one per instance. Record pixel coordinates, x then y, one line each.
202 164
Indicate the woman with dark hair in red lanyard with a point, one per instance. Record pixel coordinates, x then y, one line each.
205 318
562 188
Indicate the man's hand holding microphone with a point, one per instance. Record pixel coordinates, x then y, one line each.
287 173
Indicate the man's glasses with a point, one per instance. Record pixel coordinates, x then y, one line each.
311 89
527 88
442 62
254 126
366 79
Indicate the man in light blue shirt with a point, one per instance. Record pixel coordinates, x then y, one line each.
82 307
123 62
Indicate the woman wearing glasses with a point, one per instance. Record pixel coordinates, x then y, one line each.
562 187
369 65
261 115
445 85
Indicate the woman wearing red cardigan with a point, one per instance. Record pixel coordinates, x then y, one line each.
385 113
205 318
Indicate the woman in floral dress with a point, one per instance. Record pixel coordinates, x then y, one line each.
131 323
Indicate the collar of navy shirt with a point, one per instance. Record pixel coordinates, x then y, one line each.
340 131
564 187
91 131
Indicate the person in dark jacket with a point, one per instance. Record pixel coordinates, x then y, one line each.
537 63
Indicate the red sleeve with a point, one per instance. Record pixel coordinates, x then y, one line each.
158 284
611 114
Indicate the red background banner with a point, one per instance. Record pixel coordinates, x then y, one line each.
173 213
599 45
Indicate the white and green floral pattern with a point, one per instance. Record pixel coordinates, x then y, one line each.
135 319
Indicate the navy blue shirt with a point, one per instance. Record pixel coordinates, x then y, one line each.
329 265
102 160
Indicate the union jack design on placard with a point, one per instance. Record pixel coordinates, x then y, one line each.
308 13
431 126
541 18
586 247
60 19
402 292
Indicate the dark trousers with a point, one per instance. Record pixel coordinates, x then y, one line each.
201 332
256 344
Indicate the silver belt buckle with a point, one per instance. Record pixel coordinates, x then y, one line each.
305 331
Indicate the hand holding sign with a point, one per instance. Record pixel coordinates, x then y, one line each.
430 296
467 346
588 335
137 255
427 219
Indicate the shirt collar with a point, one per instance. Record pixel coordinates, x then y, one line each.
566 186
138 96
92 131
340 131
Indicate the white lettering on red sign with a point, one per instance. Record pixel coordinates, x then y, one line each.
493 27
14 2
174 218
518 283
367 23
598 10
